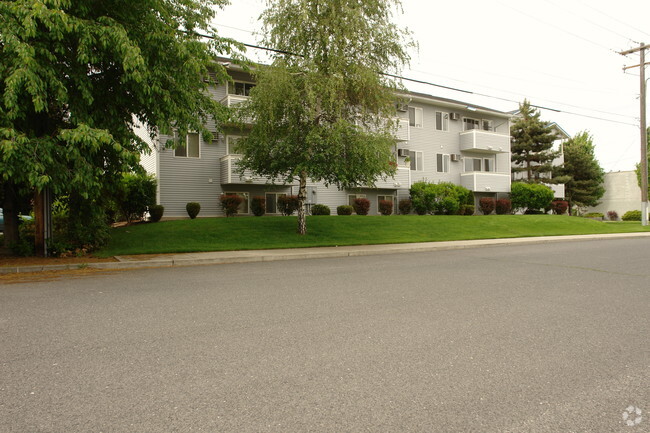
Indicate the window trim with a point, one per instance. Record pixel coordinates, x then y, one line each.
187 145
415 117
445 158
444 118
413 156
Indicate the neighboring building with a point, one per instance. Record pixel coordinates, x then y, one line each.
438 140
622 193
558 146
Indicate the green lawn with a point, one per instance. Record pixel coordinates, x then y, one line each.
250 233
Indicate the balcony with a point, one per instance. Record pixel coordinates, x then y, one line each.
486 182
233 100
403 132
402 180
230 173
477 140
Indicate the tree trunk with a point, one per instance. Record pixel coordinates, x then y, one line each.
302 192
10 211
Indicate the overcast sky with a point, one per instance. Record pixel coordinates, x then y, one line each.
559 54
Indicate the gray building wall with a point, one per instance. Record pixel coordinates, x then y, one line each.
622 193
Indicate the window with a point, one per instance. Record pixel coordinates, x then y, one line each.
442 121
469 123
240 88
487 165
442 161
272 202
231 144
417 159
415 117
353 197
478 164
189 149
389 198
487 125
243 207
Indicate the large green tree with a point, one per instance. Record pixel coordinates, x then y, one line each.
585 185
76 74
532 146
321 109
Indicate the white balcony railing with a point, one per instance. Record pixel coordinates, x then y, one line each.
233 100
485 182
230 173
484 141
402 180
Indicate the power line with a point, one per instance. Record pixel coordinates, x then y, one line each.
613 18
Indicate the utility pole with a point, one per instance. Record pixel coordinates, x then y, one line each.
644 135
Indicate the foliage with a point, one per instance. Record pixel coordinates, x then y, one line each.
638 166
524 196
228 234
344 209
258 205
487 205
321 112
230 203
386 207
361 206
320 209
503 206
405 206
532 146
288 204
612 215
156 212
593 215
135 192
585 186
193 208
439 198
632 215
467 210
86 224
75 74
559 207
25 244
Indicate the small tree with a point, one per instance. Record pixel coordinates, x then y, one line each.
135 192
361 206
288 204
230 203
530 196
386 207
258 205
405 206
503 206
559 207
193 208
487 205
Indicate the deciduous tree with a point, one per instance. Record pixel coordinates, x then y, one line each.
321 110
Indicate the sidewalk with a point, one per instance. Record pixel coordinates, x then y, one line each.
224 257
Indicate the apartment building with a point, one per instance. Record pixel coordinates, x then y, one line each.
438 140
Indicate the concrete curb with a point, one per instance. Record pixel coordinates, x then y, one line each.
227 257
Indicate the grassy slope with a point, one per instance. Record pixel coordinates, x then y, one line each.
222 234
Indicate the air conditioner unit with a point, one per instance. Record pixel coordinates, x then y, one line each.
402 152
454 116
455 157
402 107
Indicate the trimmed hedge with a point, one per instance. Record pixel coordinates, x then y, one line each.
467 210
386 207
193 208
503 206
230 203
559 207
258 205
361 206
320 209
487 205
530 196
344 209
288 204
156 212
632 215
405 206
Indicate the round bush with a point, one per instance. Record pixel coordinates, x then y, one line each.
320 209
405 206
344 209
486 204
193 208
503 206
258 205
230 203
612 215
559 207
386 207
156 212
361 206
467 210
632 215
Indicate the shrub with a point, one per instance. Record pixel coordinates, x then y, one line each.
466 209
386 207
486 204
288 204
438 198
361 206
593 215
534 212
156 212
344 209
26 235
320 209
230 203
193 208
559 207
632 215
135 192
530 196
612 215
405 206
258 205
503 206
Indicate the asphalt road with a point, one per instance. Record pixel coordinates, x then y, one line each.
536 338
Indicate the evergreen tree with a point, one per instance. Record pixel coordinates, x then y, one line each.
585 186
74 74
532 146
322 112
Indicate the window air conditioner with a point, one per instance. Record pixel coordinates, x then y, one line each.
402 107
454 116
402 152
